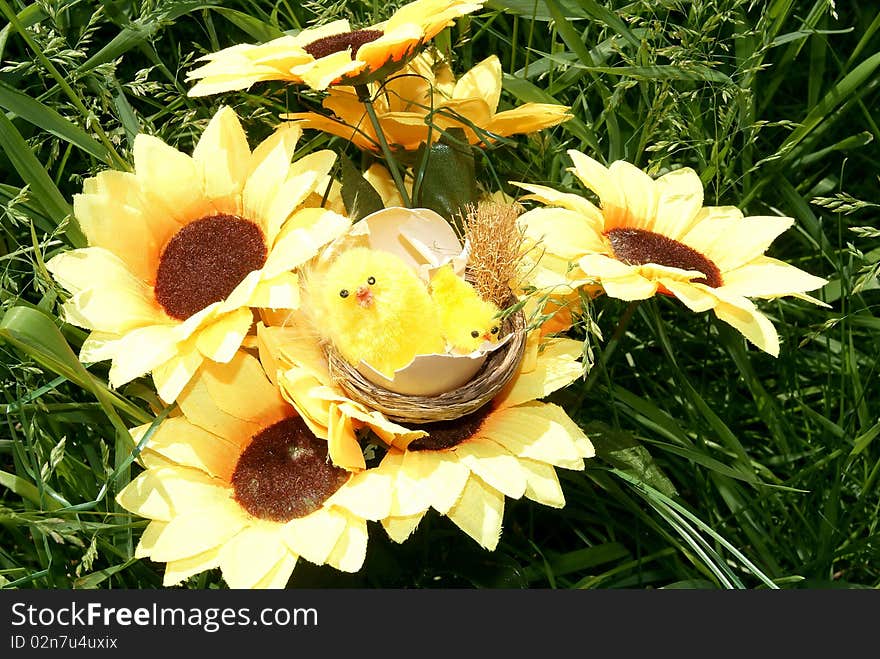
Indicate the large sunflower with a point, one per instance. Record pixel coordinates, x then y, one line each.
293 358
184 247
330 54
424 94
655 236
464 468
239 482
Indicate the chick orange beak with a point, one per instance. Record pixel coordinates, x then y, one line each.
364 296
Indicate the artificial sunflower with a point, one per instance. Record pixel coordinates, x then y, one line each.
181 249
652 236
293 358
426 96
239 482
330 54
464 468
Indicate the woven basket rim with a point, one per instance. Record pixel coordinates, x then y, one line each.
498 369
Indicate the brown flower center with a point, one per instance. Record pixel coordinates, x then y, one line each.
284 473
446 434
638 247
339 42
205 261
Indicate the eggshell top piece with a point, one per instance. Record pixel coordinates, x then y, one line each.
419 236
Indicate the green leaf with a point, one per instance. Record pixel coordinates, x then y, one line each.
360 198
449 182
27 490
537 10
49 120
257 29
34 174
624 452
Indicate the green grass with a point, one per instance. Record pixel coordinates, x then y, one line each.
718 466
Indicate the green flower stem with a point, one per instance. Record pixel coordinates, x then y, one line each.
62 83
364 97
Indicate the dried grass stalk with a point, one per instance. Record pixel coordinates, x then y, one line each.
496 248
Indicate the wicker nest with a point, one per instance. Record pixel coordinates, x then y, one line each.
498 369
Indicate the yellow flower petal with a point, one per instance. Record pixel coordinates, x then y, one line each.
562 232
479 513
172 376
592 215
534 431
367 495
482 81
379 177
542 483
323 72
142 350
639 191
304 234
528 118
342 442
427 479
767 277
679 200
190 446
279 575
222 155
400 528
598 179
629 287
349 553
751 323
249 556
221 339
695 297
166 492
494 465
280 292
170 179
148 539
190 534
731 243
557 366
314 536
107 297
181 569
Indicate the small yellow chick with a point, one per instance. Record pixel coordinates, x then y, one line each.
466 319
375 309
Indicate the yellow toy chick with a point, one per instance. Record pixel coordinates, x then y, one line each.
466 319
375 309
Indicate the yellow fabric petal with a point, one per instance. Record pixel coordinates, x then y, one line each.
302 236
193 533
695 297
179 570
314 536
629 287
312 34
393 46
170 179
267 185
349 553
148 539
222 155
400 528
166 492
573 202
479 513
557 366
172 376
528 118
239 389
751 323
564 233
285 137
367 495
323 72
679 200
768 278
142 350
107 297
427 479
532 431
248 557
482 81
494 465
597 178
98 346
279 575
379 177
359 134
731 243
280 292
342 441
639 191
221 339
542 483
190 446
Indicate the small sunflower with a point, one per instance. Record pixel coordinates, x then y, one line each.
239 482
655 236
182 249
330 54
426 93
293 358
464 468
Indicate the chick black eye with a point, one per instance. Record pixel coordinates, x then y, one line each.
343 293
475 334
371 280
494 330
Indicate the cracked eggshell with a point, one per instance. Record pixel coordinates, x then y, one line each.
419 236
432 375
